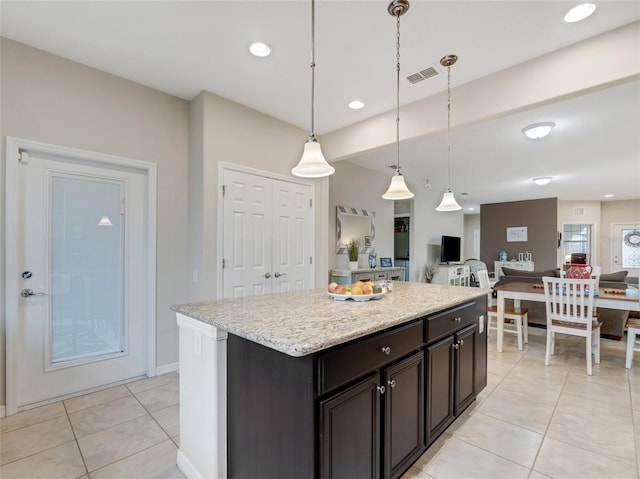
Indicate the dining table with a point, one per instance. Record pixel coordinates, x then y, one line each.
623 299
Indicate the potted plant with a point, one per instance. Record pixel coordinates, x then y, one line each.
353 249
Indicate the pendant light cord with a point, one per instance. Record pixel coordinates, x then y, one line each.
313 67
449 123
398 90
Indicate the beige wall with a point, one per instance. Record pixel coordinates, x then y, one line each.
225 132
49 99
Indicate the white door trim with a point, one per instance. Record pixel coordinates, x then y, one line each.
14 146
222 166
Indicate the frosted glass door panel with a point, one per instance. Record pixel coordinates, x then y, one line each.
86 318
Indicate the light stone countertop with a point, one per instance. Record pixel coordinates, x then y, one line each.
305 322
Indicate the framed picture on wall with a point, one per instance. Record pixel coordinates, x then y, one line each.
516 234
385 263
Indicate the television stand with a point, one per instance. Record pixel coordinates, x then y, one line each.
452 274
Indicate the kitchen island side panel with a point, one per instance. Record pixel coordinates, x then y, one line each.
270 409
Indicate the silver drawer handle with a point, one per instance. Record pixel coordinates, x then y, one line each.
461 342
457 346
392 383
457 319
386 350
381 389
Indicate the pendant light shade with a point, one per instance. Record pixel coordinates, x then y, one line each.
448 202
312 164
398 189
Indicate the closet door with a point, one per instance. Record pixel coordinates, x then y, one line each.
247 234
267 235
292 239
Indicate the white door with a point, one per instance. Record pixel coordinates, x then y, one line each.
626 248
267 235
82 315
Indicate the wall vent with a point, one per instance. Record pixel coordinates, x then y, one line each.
428 72
578 211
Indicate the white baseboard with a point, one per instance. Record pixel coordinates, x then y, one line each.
186 467
3 411
168 368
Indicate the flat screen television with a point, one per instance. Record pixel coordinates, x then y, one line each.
450 249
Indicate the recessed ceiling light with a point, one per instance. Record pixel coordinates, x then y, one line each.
609 196
543 180
356 105
260 49
538 130
580 12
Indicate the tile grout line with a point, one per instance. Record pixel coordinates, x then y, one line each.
75 438
137 452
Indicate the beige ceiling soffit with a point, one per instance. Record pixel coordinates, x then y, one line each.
596 63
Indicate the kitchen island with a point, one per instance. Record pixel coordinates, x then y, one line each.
299 385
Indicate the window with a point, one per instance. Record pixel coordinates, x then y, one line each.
576 238
630 248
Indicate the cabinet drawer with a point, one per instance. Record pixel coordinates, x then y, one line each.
442 324
353 360
380 275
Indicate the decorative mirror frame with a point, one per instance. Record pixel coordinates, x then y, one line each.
340 210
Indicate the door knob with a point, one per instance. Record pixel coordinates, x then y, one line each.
277 275
267 275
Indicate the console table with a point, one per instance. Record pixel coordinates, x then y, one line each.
452 275
521 265
350 276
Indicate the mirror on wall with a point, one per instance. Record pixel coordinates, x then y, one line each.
358 224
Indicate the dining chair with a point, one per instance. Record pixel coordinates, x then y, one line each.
633 340
516 318
569 308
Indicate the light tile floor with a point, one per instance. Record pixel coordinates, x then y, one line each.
531 422
539 422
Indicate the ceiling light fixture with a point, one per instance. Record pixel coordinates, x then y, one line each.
356 105
448 202
536 131
580 12
398 189
608 195
105 221
543 180
312 164
260 49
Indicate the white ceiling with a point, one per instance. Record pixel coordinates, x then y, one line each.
185 47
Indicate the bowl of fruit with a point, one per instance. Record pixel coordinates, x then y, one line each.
358 291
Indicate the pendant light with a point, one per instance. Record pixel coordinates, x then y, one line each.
398 189
448 202
312 164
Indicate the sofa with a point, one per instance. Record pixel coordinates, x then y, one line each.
613 320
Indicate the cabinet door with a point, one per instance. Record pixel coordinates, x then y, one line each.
350 432
404 414
464 374
439 387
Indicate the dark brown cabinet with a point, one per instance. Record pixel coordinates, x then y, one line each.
362 410
404 437
451 366
378 423
350 432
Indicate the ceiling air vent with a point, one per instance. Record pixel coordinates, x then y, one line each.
423 74
578 211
